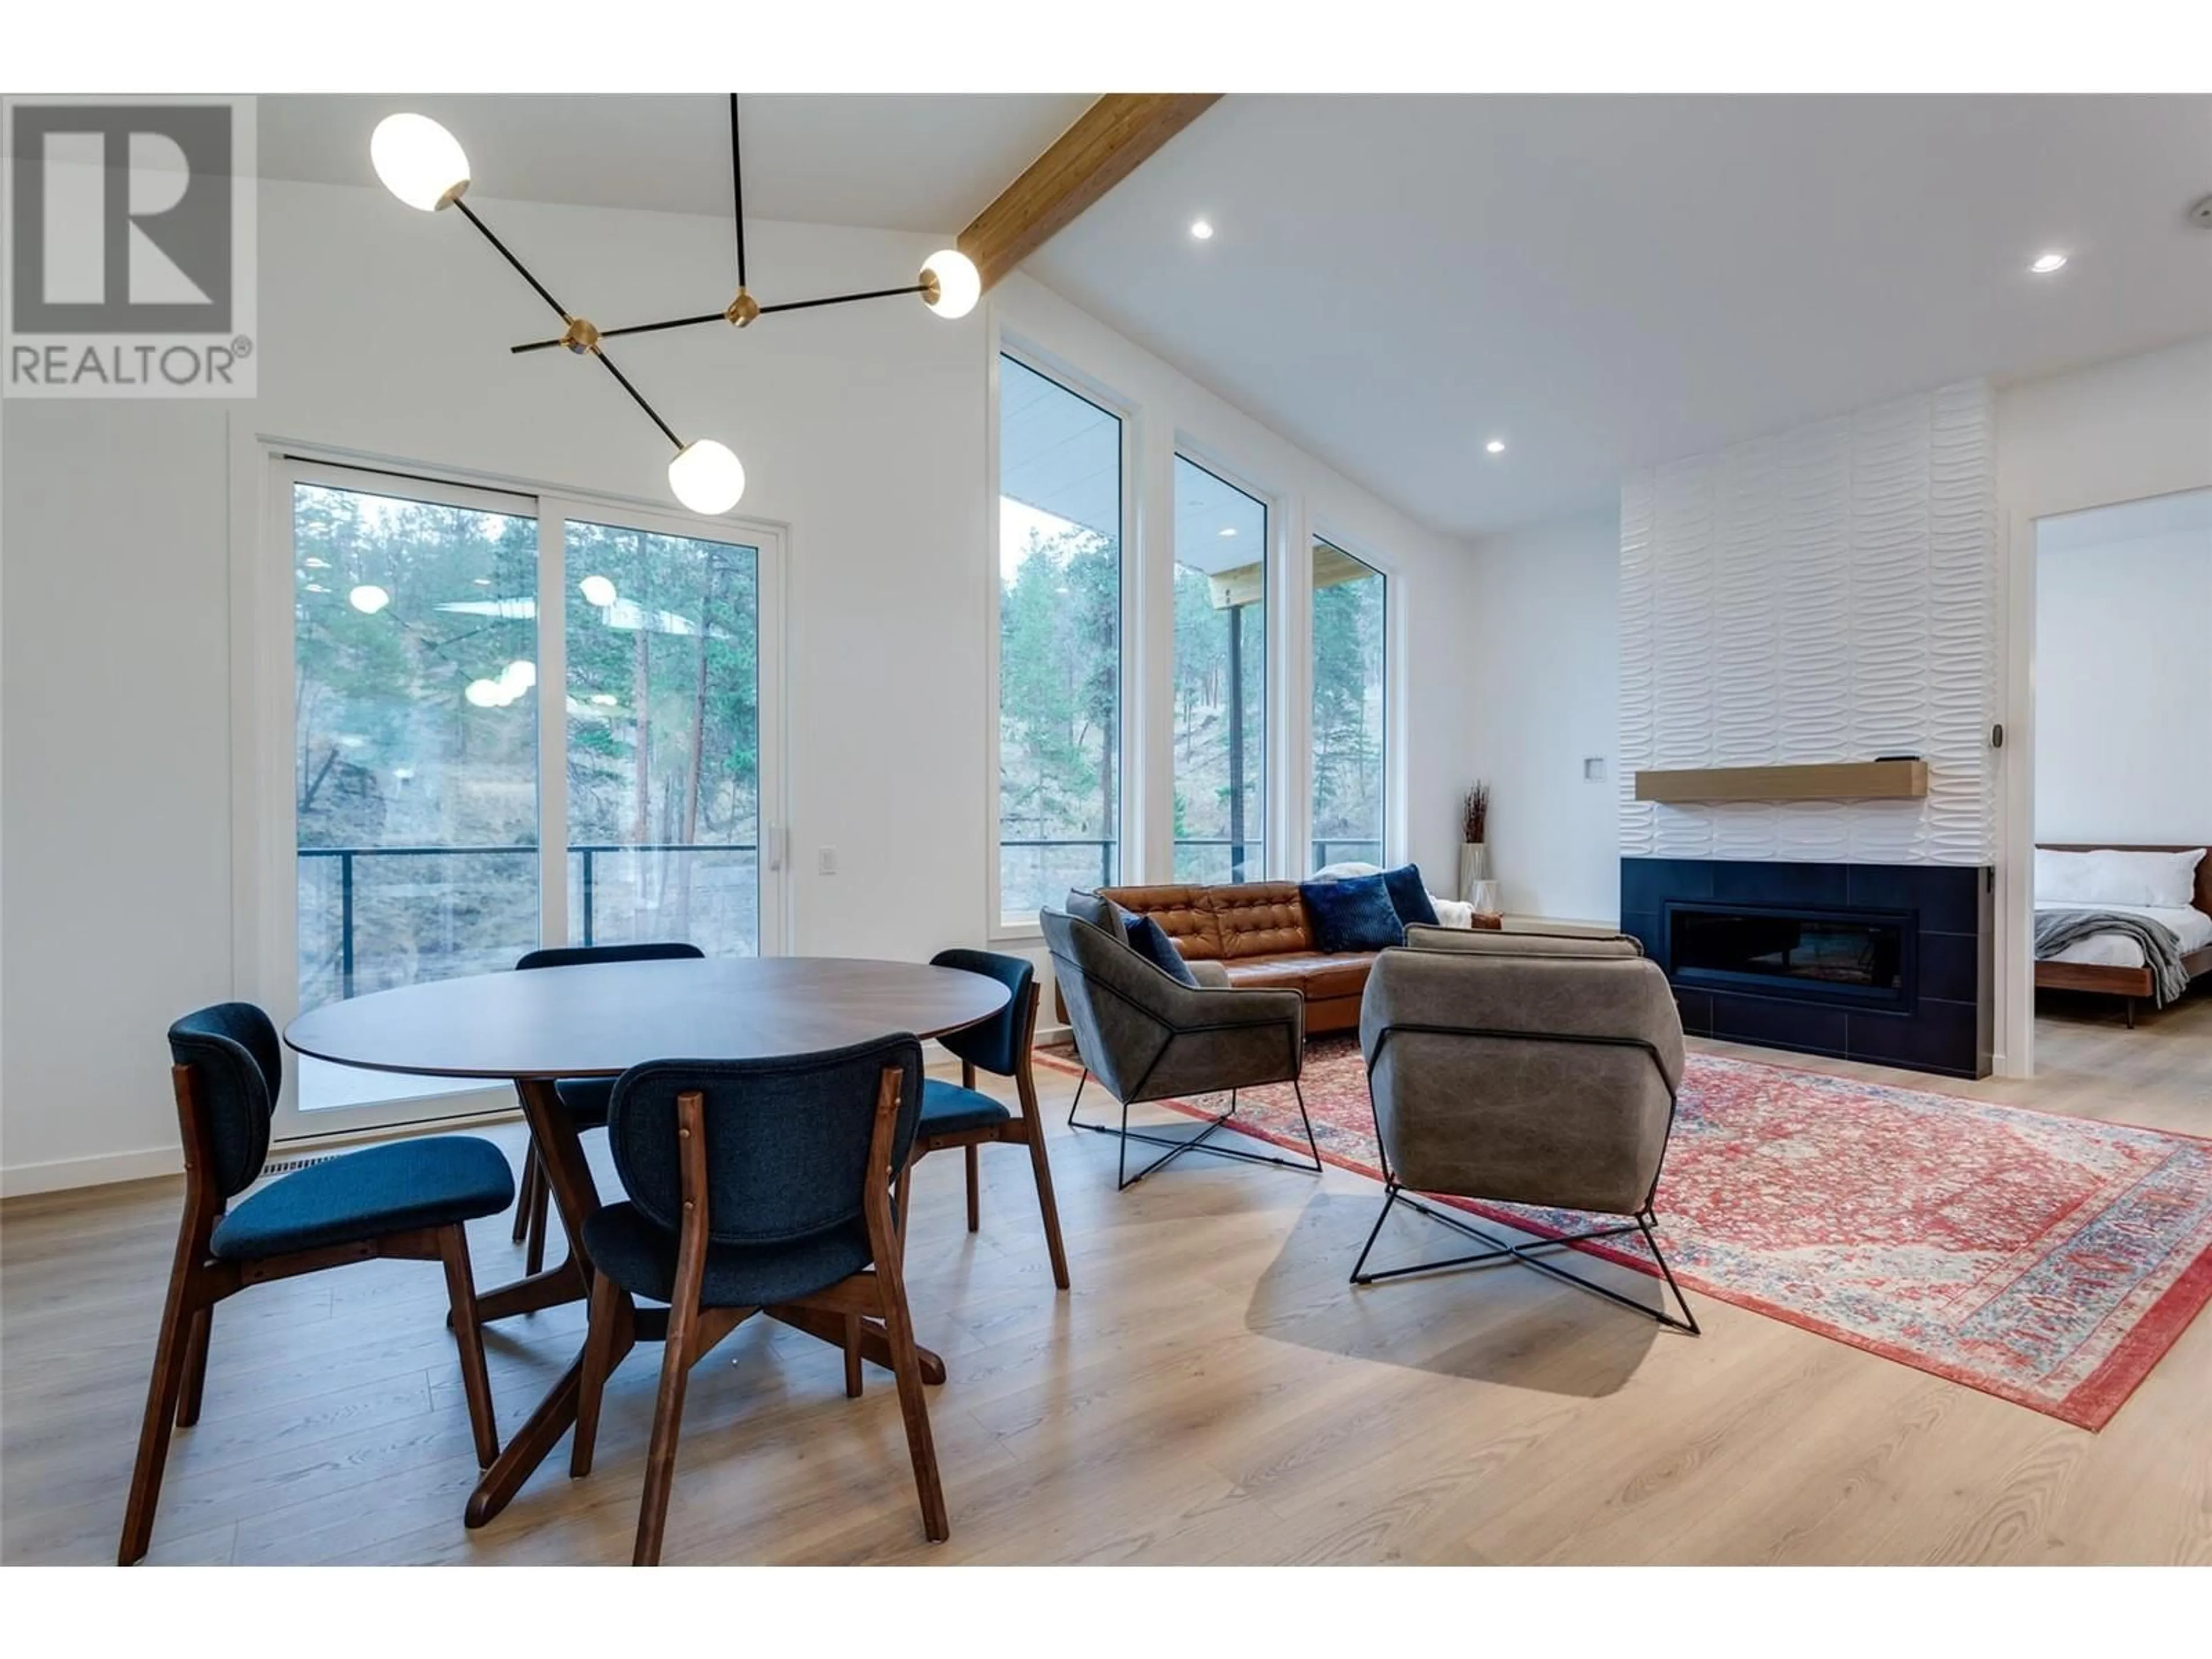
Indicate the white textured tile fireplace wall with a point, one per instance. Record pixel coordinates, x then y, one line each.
1827 594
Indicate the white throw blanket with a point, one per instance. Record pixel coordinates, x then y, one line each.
1450 912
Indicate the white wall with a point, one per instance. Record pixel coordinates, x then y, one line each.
1827 594
384 333
1544 647
2123 690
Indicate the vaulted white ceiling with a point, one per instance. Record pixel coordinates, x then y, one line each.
1603 282
1609 282
918 162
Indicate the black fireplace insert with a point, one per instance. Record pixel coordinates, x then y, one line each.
1863 957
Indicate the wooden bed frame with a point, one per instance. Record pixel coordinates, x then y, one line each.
2129 982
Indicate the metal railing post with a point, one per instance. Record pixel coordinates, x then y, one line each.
588 894
345 923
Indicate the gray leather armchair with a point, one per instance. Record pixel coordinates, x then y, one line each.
1524 1068
1145 1036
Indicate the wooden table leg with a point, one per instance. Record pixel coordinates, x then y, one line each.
875 1344
560 1153
569 1172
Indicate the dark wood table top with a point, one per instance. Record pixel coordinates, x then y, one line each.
600 1019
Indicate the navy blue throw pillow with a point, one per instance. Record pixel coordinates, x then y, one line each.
1409 896
1149 940
1352 914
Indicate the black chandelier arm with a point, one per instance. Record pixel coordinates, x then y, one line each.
485 230
651 413
634 328
738 189
846 299
723 316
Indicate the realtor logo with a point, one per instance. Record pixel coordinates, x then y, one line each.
129 270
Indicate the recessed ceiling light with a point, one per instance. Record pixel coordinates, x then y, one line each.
2047 263
1228 529
1496 445
1202 228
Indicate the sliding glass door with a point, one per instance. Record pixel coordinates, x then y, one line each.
443 820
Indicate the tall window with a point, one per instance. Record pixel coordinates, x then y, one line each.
1220 706
423 853
1349 642
1059 642
664 740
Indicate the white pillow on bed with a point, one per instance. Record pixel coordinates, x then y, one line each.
2153 880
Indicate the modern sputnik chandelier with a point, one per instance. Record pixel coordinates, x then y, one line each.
423 165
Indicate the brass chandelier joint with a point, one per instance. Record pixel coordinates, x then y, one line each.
742 309
580 336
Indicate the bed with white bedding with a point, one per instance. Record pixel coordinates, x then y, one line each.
2169 888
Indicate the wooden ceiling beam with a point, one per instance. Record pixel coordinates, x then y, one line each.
1108 143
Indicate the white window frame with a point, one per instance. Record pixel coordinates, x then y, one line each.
266 852
1005 344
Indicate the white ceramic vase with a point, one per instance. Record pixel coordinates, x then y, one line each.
1474 867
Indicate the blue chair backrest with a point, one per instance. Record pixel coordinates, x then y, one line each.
576 955
787 1140
238 1071
995 1045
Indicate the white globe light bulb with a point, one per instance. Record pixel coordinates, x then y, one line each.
705 478
369 599
484 694
419 161
518 678
958 283
597 590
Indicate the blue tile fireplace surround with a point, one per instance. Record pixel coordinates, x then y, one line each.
1890 964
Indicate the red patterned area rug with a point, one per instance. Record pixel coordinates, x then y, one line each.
2050 1260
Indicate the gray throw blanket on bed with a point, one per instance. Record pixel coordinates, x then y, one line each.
2161 946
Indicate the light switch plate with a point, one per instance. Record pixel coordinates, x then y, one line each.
825 861
1594 769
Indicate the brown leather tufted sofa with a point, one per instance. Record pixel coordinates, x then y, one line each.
1261 934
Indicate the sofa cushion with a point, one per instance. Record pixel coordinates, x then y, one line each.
1354 913
1409 896
1260 918
1182 912
1148 941
1317 974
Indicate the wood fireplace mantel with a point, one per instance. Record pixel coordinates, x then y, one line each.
1906 780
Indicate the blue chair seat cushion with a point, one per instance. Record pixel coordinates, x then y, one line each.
640 1255
392 1188
585 1099
949 1109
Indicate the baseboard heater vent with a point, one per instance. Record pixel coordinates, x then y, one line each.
281 1166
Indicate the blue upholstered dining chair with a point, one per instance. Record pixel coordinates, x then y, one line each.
962 1116
404 1198
754 1186
585 1097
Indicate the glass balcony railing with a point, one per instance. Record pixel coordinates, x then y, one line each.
372 917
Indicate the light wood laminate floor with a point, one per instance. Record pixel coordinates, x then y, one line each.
1210 1391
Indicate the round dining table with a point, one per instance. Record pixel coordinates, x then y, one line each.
598 1020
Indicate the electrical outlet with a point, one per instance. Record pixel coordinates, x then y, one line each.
825 861
1594 769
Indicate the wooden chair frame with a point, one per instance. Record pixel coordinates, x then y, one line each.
874 1297
199 1280
1025 1128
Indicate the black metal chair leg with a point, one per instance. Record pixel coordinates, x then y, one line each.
1078 1101
1533 1254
